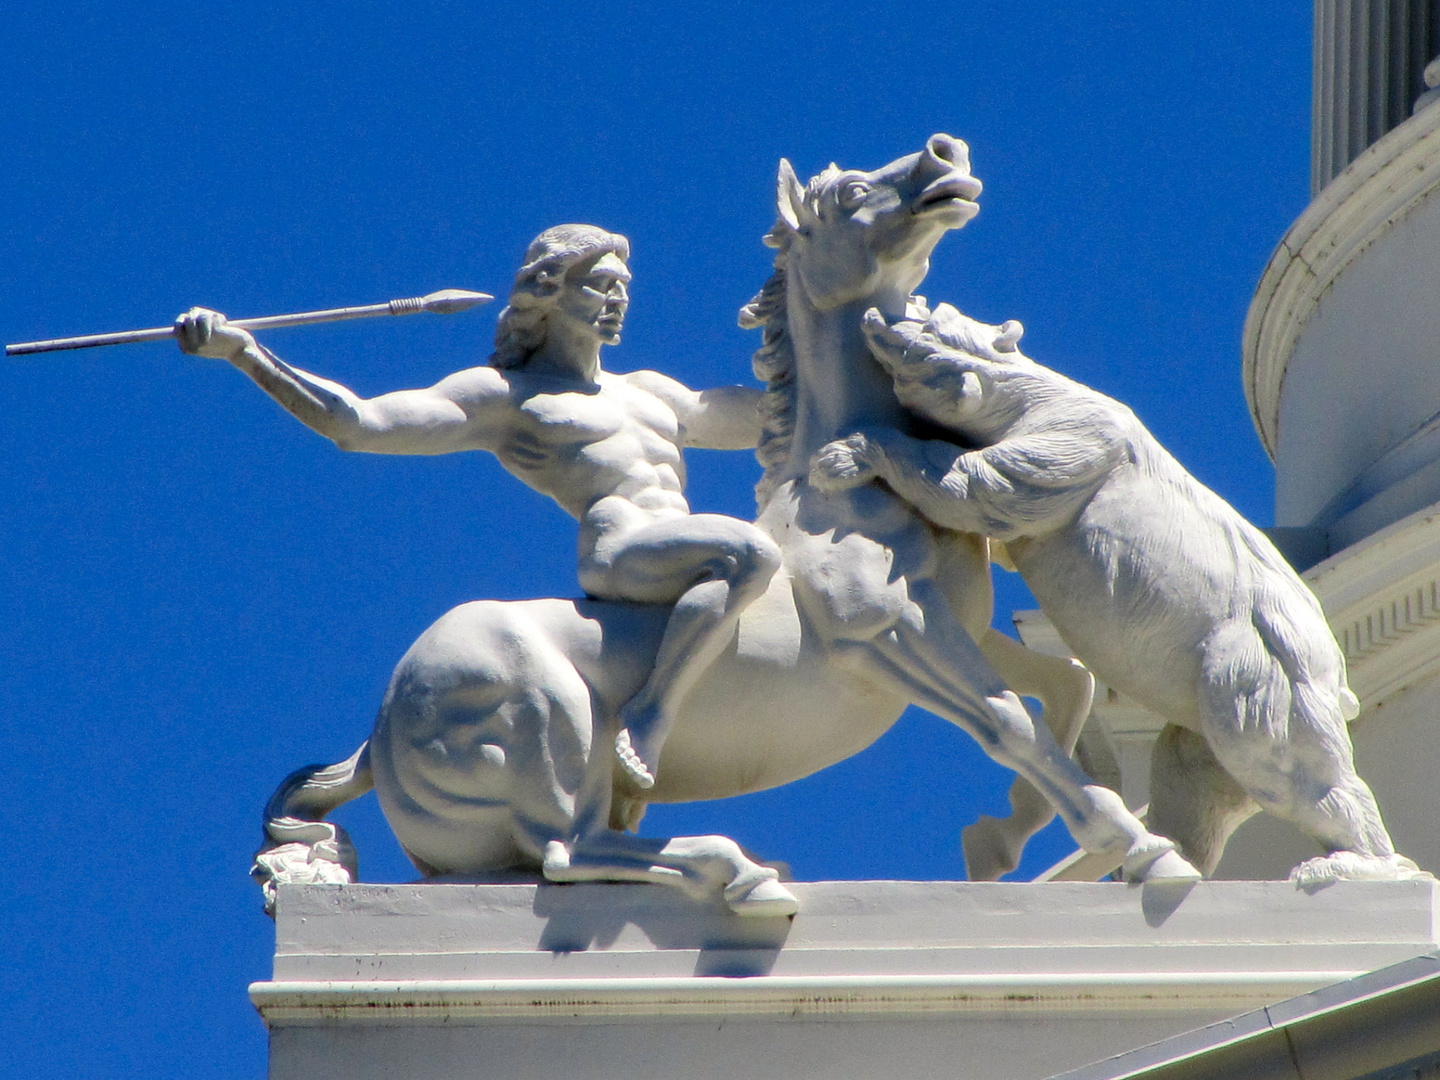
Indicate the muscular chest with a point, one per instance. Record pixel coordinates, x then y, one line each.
611 425
562 419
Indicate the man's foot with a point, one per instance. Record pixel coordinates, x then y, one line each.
635 768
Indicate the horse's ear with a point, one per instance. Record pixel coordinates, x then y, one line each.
789 195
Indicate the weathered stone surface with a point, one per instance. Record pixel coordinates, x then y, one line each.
933 978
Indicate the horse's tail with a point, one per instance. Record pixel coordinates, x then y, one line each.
300 846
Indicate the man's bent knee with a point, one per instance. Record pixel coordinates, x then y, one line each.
746 558
750 568
761 558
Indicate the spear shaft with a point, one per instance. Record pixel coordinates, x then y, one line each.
444 302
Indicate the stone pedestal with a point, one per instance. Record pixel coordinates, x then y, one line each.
871 979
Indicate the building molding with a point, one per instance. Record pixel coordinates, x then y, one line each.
785 998
1383 1020
1382 599
604 979
1375 192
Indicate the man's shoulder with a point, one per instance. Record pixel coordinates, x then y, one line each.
672 391
475 382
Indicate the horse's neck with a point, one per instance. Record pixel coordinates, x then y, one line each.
839 386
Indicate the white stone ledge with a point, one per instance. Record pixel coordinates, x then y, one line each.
977 962
872 979
431 953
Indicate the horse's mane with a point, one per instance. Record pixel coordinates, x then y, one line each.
774 365
774 362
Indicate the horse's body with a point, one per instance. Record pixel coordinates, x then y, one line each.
493 748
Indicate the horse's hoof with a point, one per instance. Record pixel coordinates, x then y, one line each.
1324 870
767 898
989 855
1159 865
1172 866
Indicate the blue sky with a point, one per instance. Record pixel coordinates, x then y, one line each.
198 595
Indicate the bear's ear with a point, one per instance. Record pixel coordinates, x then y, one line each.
972 389
1008 340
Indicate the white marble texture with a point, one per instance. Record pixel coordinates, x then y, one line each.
495 745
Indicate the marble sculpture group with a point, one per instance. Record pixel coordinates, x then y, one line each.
903 449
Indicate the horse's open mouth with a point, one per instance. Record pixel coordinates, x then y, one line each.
947 193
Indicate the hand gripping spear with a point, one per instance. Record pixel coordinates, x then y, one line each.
444 302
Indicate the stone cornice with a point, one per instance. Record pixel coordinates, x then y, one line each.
1374 192
445 1001
391 955
1382 599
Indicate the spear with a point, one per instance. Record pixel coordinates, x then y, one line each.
444 302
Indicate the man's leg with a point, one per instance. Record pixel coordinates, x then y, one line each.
718 566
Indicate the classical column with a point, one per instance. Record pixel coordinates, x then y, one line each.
1369 60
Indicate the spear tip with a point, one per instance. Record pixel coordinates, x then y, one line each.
449 301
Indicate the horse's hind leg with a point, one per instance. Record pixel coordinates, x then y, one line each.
992 845
699 865
491 753
300 846
928 656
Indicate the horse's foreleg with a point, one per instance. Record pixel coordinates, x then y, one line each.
699 865
928 656
1066 688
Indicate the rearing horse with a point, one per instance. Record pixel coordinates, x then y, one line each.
493 747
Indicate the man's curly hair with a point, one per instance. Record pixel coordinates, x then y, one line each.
521 330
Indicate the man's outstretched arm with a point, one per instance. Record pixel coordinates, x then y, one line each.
721 418
450 416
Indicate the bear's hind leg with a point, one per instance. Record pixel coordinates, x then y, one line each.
1193 800
1288 746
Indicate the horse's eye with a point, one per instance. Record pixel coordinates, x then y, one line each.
853 194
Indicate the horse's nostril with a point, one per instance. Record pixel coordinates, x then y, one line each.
943 147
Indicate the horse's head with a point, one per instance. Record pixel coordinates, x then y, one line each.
854 235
